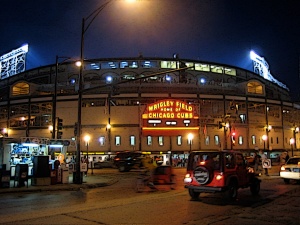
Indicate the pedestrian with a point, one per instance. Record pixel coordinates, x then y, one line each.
263 159
287 157
257 164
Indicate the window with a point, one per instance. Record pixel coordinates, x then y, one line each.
179 140
254 88
253 139
240 140
202 67
132 140
168 64
217 139
160 140
117 140
20 88
207 140
242 118
102 141
229 160
149 140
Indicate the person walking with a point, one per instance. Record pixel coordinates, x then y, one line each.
263 159
257 164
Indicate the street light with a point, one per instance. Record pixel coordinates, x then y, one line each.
190 139
89 19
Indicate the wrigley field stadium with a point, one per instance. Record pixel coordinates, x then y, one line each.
164 107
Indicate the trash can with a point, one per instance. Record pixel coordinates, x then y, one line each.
21 175
65 173
5 179
53 177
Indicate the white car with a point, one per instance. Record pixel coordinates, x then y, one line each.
291 170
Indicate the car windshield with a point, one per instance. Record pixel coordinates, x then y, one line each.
211 159
293 161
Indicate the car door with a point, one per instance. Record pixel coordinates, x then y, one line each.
241 169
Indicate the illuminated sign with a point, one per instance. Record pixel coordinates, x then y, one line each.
262 68
169 117
169 109
13 62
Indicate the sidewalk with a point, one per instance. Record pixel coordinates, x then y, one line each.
90 181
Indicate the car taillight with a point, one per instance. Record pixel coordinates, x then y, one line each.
187 178
219 176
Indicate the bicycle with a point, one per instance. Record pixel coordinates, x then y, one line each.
143 181
162 175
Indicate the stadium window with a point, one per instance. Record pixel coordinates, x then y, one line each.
253 140
240 140
207 140
179 140
242 118
149 140
202 67
20 88
168 64
132 140
102 141
217 139
254 88
118 140
160 140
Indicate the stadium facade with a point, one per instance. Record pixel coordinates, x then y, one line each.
164 106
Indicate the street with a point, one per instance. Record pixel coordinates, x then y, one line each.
120 204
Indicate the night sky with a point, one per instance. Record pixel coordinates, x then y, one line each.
222 31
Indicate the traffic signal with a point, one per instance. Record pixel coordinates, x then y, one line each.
59 128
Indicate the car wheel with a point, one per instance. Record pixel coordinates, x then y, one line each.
255 187
232 191
173 183
286 181
139 185
122 168
193 194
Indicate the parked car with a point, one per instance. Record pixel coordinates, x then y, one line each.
104 164
291 170
127 160
219 171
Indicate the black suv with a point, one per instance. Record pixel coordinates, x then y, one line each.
125 161
219 171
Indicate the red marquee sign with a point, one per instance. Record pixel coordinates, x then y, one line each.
169 117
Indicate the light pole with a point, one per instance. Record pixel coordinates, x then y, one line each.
65 58
264 138
87 140
190 139
292 142
89 19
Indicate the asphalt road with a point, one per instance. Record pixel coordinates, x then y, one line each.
277 203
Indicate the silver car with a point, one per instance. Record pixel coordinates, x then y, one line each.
291 170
